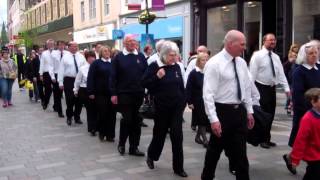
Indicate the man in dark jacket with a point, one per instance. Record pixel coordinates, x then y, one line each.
20 60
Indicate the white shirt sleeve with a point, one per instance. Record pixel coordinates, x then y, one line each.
282 77
190 67
210 86
77 82
248 95
41 65
61 71
254 66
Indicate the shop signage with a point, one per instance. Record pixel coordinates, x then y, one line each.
117 34
99 33
158 5
134 4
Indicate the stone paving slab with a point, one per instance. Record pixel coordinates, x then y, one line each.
36 145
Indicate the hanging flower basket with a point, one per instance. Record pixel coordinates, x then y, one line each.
146 18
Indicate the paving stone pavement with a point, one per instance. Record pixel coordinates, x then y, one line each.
36 144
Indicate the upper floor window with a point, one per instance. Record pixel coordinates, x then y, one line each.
92 9
106 7
82 11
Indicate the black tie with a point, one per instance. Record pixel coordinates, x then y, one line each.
272 66
61 55
237 78
75 63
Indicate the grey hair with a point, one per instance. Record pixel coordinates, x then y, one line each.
159 45
304 49
49 40
166 48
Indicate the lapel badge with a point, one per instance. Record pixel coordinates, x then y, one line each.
138 61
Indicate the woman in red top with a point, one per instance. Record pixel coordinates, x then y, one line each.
307 143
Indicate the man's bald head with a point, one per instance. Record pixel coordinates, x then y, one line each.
202 49
234 42
129 42
73 47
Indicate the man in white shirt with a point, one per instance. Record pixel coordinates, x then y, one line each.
46 72
69 67
155 56
228 104
57 92
267 72
193 59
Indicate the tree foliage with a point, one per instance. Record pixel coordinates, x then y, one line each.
4 37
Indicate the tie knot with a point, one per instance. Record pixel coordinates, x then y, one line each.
270 53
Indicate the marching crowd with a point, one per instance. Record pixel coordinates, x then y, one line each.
229 97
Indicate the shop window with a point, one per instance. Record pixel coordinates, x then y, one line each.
306 20
220 21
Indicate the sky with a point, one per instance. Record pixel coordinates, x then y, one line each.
3 10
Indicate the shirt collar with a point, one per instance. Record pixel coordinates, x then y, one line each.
126 52
309 67
160 63
198 69
264 49
227 55
105 60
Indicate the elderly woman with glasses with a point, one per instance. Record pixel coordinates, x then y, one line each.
164 81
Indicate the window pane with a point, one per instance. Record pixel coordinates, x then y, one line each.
82 11
220 21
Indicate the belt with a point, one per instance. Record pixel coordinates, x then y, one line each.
234 106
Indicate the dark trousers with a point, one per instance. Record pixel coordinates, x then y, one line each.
165 119
73 104
268 104
20 76
47 84
40 90
90 106
233 122
35 91
57 94
312 171
130 125
106 116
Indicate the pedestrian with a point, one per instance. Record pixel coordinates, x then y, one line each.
99 93
155 56
57 92
114 52
127 93
147 51
32 73
70 64
267 72
288 68
8 73
20 60
80 90
305 76
97 49
307 143
195 100
228 104
164 81
46 72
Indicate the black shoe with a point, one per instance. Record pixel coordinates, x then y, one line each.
69 121
109 139
93 133
150 163
232 169
205 144
265 145
181 173
143 124
272 144
198 140
289 165
136 152
54 109
44 106
101 137
60 115
194 128
121 150
78 121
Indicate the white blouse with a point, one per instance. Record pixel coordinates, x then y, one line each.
81 78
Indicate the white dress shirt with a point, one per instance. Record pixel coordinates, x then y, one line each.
220 84
56 54
261 71
153 58
255 95
183 72
67 67
81 79
126 52
46 63
106 60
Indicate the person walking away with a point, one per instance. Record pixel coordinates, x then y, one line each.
20 60
32 74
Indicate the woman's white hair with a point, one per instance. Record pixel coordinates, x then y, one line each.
159 45
302 54
166 48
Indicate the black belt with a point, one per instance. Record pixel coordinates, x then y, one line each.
233 106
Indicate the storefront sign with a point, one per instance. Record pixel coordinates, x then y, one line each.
117 34
99 33
171 27
134 4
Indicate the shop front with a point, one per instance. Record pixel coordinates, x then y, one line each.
213 18
87 38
